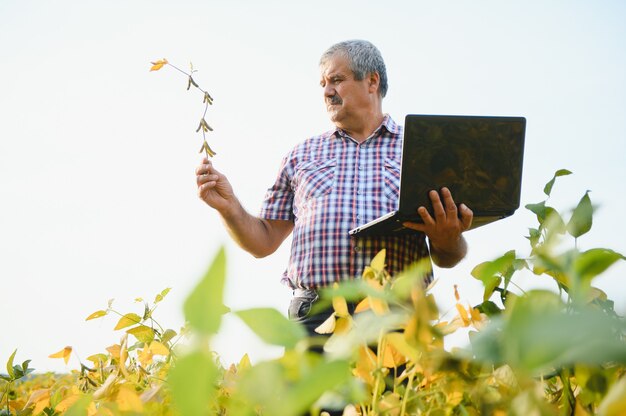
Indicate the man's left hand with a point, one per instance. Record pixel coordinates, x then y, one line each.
444 231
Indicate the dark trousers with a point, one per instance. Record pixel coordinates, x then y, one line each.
300 311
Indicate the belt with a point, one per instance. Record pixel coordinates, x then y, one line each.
305 293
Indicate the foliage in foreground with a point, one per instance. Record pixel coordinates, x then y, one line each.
533 352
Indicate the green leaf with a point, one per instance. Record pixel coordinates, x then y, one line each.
491 272
142 333
582 217
561 172
79 408
325 376
489 308
533 236
10 370
272 327
167 335
192 382
127 320
540 333
591 263
203 307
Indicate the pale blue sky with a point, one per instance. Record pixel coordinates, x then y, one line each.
97 155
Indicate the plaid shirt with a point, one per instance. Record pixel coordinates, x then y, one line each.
330 184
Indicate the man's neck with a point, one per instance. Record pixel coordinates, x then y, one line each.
362 131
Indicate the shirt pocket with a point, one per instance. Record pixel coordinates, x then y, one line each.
391 178
314 178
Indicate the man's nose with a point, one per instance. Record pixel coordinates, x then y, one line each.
329 91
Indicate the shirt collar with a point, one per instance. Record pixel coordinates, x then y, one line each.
387 123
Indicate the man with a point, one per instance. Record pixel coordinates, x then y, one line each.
333 182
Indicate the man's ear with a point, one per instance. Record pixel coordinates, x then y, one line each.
374 82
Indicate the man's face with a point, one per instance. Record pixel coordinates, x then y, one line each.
347 100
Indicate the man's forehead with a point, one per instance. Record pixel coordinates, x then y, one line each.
334 65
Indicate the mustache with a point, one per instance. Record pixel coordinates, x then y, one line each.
334 100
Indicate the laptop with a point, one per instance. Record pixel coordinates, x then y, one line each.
479 158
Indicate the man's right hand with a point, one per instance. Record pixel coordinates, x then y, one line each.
214 188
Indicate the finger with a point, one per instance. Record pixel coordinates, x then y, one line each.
448 201
205 168
202 179
414 226
467 215
205 187
440 214
428 220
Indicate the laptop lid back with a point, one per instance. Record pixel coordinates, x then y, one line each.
478 158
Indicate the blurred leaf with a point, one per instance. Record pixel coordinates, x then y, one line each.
128 400
547 216
533 236
96 314
614 403
142 333
64 353
582 217
127 320
561 172
158 64
378 262
272 327
323 377
192 382
541 334
168 335
204 308
159 297
77 406
158 349
592 262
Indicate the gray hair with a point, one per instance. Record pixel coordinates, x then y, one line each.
364 59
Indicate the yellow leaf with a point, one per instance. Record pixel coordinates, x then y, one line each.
328 326
124 355
399 342
40 398
391 357
365 365
127 320
362 306
128 400
379 306
159 297
64 353
138 299
96 314
145 356
142 333
159 349
463 314
66 403
114 350
340 306
97 359
158 64
378 262
343 324
244 363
